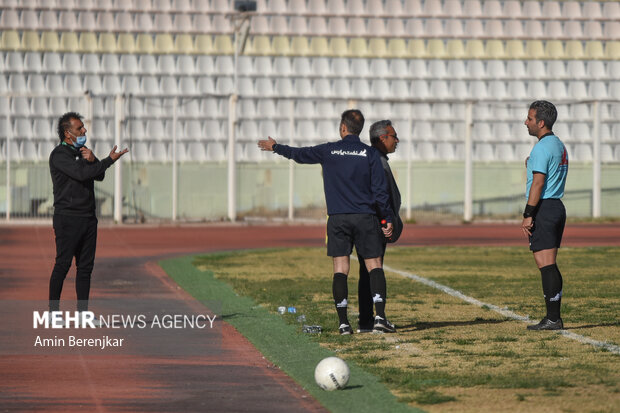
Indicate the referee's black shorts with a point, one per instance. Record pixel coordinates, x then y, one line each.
548 225
361 230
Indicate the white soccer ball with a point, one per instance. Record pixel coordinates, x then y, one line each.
332 373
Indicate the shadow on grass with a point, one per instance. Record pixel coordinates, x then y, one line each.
616 324
439 324
357 386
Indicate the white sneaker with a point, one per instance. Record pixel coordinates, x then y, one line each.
59 323
95 321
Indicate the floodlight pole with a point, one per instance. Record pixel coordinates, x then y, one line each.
118 170
239 19
468 196
596 162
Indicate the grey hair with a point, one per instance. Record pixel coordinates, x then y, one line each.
377 129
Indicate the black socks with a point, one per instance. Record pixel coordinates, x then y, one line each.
552 289
378 290
340 291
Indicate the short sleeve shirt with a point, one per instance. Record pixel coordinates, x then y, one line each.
549 157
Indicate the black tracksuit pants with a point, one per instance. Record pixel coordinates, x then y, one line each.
75 237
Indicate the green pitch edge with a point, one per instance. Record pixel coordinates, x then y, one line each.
283 345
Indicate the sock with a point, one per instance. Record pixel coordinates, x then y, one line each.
341 292
552 288
378 290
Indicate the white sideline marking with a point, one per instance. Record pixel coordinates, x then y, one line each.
506 313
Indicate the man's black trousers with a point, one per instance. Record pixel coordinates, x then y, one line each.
366 305
75 237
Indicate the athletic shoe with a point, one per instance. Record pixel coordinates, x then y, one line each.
546 324
59 324
383 326
345 329
96 322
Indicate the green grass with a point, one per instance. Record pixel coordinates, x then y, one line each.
295 353
446 348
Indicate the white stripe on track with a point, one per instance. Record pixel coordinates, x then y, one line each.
613 348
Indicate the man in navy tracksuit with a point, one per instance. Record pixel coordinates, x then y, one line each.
357 198
384 139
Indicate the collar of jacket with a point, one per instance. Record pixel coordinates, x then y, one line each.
351 138
70 146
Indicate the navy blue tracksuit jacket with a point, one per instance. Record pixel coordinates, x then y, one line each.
353 177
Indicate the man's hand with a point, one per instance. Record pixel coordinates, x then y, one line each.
388 229
527 225
115 155
267 144
87 154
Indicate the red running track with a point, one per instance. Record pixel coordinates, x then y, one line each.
237 379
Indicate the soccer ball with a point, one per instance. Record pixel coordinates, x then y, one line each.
332 373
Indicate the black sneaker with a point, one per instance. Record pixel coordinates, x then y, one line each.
383 326
345 329
546 324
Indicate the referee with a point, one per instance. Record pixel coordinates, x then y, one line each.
74 168
544 216
355 192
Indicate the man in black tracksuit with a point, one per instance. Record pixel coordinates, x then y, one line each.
355 193
74 168
384 139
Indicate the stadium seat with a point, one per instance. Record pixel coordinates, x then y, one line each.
14 62
124 21
144 43
451 8
168 85
107 43
147 64
104 22
128 64
166 64
574 50
88 43
92 84
90 63
204 44
20 106
359 68
10 40
22 128
300 46
557 90
284 86
216 152
597 90
38 106
505 152
582 153
30 41
534 49
110 63
612 51
425 151
187 85
140 152
10 19
131 84
577 90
